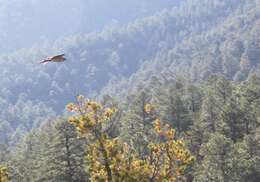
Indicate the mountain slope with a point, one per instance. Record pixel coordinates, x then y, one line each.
197 39
231 48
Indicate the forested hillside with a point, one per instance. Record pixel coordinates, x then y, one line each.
216 38
194 67
195 40
218 121
93 59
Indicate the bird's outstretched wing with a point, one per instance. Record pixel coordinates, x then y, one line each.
61 56
57 58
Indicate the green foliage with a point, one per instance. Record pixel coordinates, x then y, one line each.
173 107
54 153
110 160
219 121
218 37
216 155
137 123
64 158
140 65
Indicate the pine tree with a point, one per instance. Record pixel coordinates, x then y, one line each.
210 113
137 126
63 158
194 98
245 159
25 160
215 164
111 160
52 153
173 108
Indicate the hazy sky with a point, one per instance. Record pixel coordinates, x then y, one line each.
25 22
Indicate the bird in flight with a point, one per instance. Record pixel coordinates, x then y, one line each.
57 58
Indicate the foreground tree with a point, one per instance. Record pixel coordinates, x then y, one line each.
3 174
109 159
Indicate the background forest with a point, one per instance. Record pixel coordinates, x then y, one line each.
194 63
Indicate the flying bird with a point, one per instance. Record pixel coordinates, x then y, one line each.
57 58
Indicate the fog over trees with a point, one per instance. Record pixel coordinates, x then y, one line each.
147 66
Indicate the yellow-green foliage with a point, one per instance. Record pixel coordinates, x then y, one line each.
3 174
109 159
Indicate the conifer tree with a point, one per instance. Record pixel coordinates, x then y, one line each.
245 159
215 164
110 160
173 108
63 158
137 122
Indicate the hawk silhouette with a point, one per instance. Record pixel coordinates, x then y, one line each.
57 59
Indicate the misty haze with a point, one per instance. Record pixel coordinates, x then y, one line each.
129 90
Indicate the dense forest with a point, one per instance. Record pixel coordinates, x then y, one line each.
174 89
218 120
